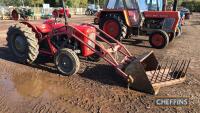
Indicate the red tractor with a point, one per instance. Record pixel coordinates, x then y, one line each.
66 42
122 18
60 12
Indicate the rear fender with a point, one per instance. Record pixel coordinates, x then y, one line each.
38 34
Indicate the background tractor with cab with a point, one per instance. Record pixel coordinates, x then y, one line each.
66 42
123 18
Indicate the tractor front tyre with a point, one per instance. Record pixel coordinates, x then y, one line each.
23 43
114 26
178 32
159 39
67 62
171 36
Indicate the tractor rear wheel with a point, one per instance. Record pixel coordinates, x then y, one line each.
159 39
23 43
67 62
15 15
114 26
87 12
55 13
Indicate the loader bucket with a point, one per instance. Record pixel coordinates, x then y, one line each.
149 76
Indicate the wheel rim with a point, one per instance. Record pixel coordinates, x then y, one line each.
20 45
65 64
157 40
15 15
111 27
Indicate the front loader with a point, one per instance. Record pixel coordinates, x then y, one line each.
66 42
123 18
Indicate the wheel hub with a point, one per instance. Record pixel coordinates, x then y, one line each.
112 28
157 40
65 63
20 44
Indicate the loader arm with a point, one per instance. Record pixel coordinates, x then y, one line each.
143 73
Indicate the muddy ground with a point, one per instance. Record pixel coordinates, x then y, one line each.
38 88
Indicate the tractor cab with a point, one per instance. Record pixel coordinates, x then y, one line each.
126 8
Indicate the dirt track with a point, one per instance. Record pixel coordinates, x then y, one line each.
39 89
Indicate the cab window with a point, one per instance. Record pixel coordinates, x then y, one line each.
131 4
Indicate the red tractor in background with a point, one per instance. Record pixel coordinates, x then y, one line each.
60 12
66 42
122 18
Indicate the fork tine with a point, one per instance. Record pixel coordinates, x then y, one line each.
169 69
186 68
164 70
158 74
159 66
174 69
180 68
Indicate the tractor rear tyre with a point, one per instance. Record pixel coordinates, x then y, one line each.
159 39
67 62
15 15
87 12
55 13
23 43
113 25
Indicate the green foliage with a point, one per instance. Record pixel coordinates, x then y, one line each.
19 3
83 3
193 6
69 3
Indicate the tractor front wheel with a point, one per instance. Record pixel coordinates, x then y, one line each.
23 43
178 32
159 39
67 62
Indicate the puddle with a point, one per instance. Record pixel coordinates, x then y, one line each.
30 85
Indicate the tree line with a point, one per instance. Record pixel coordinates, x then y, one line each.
53 3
